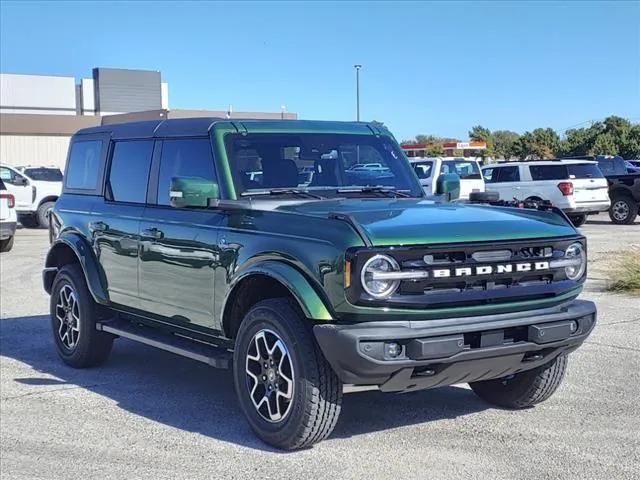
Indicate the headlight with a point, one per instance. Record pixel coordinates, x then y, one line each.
575 261
373 276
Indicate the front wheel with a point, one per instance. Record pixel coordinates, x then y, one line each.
623 210
578 220
42 214
523 389
286 389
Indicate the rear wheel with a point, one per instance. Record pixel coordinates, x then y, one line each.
6 244
578 220
42 214
286 389
523 389
623 210
73 321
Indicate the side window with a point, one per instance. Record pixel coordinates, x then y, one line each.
509 174
84 163
184 158
129 172
488 175
548 172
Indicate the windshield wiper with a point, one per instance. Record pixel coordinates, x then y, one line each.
282 191
397 193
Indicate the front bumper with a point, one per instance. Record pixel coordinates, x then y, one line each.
7 230
588 207
444 352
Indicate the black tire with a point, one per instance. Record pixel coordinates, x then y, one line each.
28 221
623 210
578 220
92 347
42 215
523 389
6 244
313 411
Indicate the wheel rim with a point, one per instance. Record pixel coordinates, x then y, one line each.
68 317
270 378
620 210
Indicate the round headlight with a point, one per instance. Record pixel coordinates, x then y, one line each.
578 257
372 276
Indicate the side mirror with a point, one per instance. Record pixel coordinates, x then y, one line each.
192 192
448 184
20 181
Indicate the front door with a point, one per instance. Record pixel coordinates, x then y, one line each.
115 230
178 246
19 186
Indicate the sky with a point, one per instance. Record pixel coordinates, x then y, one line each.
427 67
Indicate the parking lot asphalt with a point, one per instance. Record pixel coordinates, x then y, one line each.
150 414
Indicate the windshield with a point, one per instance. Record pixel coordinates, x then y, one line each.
44 174
465 169
423 169
324 163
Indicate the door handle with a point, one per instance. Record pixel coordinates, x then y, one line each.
98 226
152 232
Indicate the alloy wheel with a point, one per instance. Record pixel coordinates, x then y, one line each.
68 317
270 377
620 210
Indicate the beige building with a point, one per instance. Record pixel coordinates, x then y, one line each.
39 114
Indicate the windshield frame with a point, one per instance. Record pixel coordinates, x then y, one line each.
405 179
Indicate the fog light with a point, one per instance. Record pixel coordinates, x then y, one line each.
392 350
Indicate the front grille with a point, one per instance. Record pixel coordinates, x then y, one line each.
471 274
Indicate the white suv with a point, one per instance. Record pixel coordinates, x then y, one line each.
578 187
35 189
8 218
429 169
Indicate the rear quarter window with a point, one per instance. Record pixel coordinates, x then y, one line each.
84 163
584 170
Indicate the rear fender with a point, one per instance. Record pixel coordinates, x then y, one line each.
58 256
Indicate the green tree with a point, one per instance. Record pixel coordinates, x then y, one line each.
482 134
630 148
605 144
435 151
505 144
540 144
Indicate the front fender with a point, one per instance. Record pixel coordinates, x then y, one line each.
93 273
310 302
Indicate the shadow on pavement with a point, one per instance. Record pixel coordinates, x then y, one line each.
194 397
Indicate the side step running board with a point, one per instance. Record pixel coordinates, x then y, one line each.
202 352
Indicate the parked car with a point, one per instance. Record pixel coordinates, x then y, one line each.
429 169
624 189
35 189
8 218
577 187
301 291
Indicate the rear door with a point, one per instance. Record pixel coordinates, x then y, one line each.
115 223
4 202
589 184
179 246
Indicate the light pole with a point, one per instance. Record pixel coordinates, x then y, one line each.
282 110
357 67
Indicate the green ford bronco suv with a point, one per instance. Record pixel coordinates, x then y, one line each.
305 257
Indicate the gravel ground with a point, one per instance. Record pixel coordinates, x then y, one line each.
149 414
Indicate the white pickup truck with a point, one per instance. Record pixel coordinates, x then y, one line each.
35 190
429 169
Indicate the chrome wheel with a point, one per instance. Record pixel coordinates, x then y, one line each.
620 210
68 317
270 375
